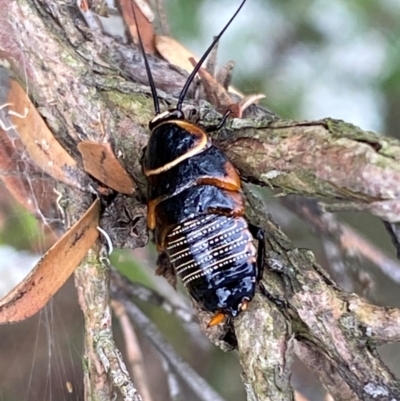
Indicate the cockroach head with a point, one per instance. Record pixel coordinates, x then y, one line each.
172 114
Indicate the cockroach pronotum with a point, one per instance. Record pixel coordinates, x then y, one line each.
196 209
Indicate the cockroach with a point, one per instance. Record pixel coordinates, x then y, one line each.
196 208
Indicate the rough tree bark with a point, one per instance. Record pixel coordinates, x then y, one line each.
88 86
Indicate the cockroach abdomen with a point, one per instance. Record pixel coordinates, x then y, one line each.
215 258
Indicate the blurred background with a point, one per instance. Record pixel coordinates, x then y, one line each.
312 59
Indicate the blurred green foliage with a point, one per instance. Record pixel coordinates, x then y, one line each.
311 58
20 228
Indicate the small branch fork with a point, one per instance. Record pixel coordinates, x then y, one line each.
196 383
350 242
134 354
338 327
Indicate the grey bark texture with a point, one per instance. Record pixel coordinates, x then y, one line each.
88 86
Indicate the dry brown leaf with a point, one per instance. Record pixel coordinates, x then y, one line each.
53 269
249 100
216 94
145 9
100 162
44 150
145 26
174 52
177 54
220 98
10 175
23 180
36 195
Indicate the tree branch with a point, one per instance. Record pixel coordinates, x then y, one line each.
346 163
104 364
195 382
349 240
325 318
268 151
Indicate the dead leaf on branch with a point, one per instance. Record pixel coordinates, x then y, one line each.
177 54
44 150
53 269
99 161
174 52
144 18
24 180
220 98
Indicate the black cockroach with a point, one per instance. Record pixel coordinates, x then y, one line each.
196 209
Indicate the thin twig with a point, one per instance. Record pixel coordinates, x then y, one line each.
327 374
133 352
196 383
352 242
377 324
97 384
394 231
162 15
265 352
146 294
165 297
211 63
338 268
173 383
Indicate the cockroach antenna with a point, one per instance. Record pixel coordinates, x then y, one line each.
148 70
188 82
201 61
